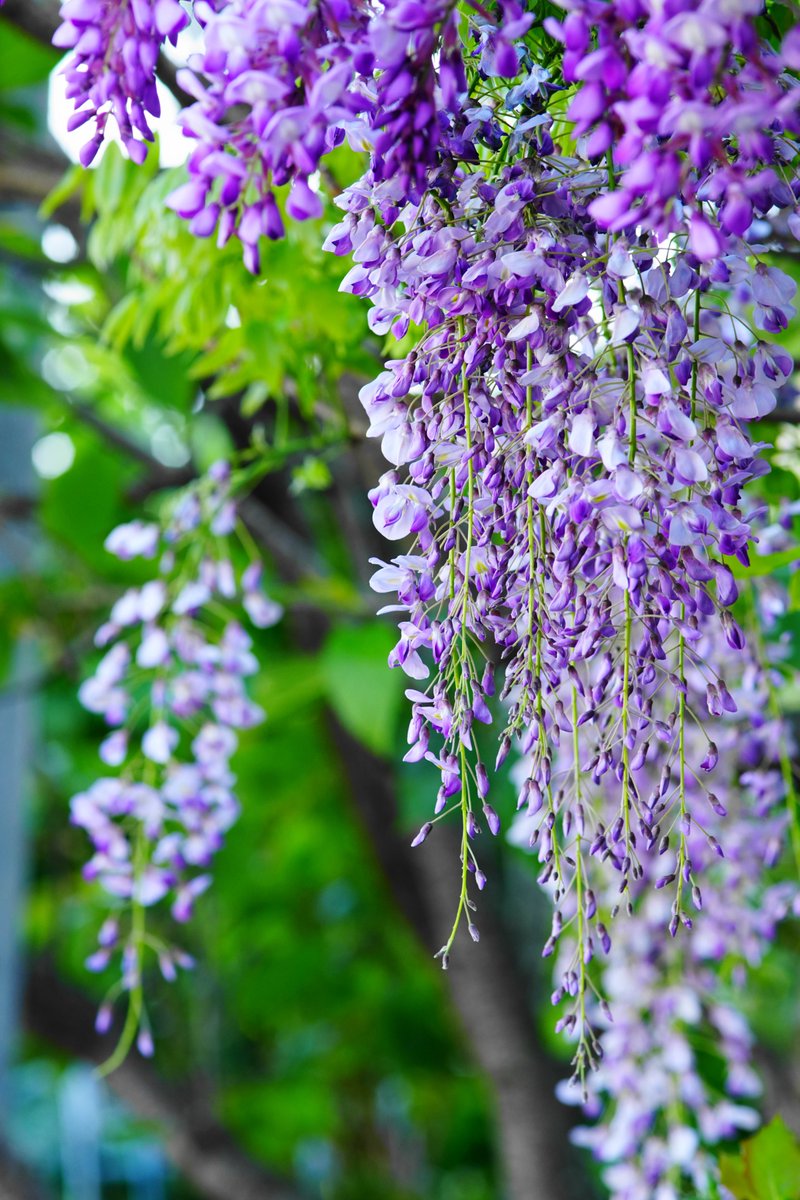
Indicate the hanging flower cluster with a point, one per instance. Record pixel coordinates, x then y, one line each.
171 686
658 1113
572 425
289 65
693 105
111 72
572 432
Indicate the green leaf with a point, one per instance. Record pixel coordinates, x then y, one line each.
209 439
255 398
122 322
312 475
773 1162
80 518
291 685
109 178
6 652
767 1167
365 695
734 1176
794 592
16 241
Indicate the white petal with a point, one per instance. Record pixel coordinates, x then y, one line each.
523 328
690 467
581 438
519 262
626 322
612 451
544 485
627 484
576 290
656 383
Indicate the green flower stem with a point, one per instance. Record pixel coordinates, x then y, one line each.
579 897
682 855
133 1016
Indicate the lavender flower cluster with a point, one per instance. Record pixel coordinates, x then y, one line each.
572 428
569 438
276 86
111 71
695 108
171 687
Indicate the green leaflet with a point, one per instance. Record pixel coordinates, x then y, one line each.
767 1166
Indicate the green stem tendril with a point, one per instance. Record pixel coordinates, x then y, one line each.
462 683
583 1053
138 937
682 853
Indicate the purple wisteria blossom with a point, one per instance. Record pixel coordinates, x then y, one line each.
172 689
569 446
111 71
286 68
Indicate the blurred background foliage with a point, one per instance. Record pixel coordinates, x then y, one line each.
316 1037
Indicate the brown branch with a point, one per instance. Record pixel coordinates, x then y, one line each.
31 177
29 173
168 74
781 1076
295 557
785 415
120 440
194 1140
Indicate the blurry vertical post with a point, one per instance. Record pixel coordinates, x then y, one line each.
18 431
